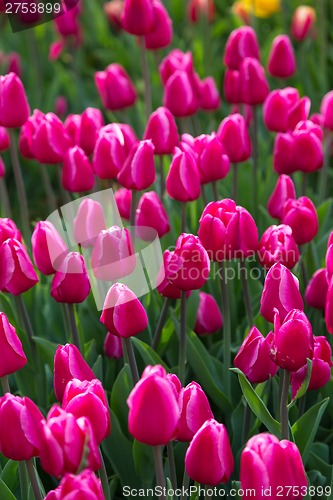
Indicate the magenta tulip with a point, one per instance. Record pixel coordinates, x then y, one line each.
71 283
138 171
316 290
151 213
278 245
209 318
12 354
242 42
301 216
283 191
115 87
48 248
89 222
14 106
161 34
17 274
234 135
281 59
162 130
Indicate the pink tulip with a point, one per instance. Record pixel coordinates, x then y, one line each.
235 138
88 399
299 112
113 11
283 191
153 408
183 179
194 411
303 21
253 84
89 222
71 283
161 34
14 106
113 346
48 248
60 106
283 154
278 245
308 153
17 274
4 139
253 357
165 288
227 231
85 484
329 307
209 458
242 42
301 216
326 110
278 108
113 255
50 142
213 162
138 171
281 59
209 318
265 453
110 152
176 60
180 95
68 365
198 8
90 124
292 343
68 25
115 87
232 86
8 229
162 130
316 290
77 173
12 354
281 293
209 95
151 213
14 441
189 265
123 199
120 307
138 17
27 134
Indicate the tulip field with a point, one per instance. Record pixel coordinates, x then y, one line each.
166 249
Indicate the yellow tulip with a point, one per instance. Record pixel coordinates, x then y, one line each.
260 8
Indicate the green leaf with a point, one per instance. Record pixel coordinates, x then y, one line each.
5 493
304 385
47 350
257 405
305 429
169 489
97 368
148 355
144 462
120 392
9 474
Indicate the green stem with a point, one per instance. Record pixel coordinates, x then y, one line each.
246 293
160 324
185 484
323 35
246 422
133 210
183 220
216 195
128 347
5 384
162 182
235 182
158 460
255 161
104 479
23 314
172 465
145 73
324 174
7 211
24 210
304 183
302 404
24 482
284 381
51 199
73 326
33 479
182 345
203 194
226 327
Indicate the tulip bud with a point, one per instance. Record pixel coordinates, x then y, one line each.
60 106
14 442
283 191
69 364
198 8
266 453
183 179
113 255
329 307
89 222
232 86
115 87
50 141
27 134
77 173
120 307
303 21
14 64
165 288
235 138
174 61
253 357
161 34
302 217
281 293
113 346
110 152
316 290
209 95
123 199
326 110
48 248
151 213
113 11
213 162
329 258
12 354
153 408
189 264
194 411
209 318
14 106
138 17
283 154
87 399
71 283
227 231
4 139
281 59
17 274
212 441
180 95
278 245
299 112
138 171
67 24
90 124
307 147
162 130
86 484
278 107
242 42
253 84
8 229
